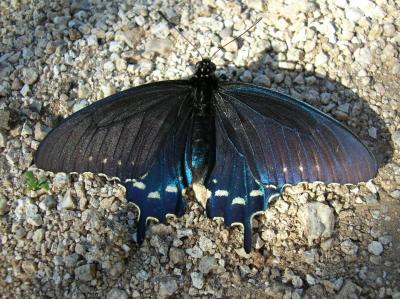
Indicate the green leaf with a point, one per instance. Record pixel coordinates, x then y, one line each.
29 176
44 185
31 181
42 180
35 184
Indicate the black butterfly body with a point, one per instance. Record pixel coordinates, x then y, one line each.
242 141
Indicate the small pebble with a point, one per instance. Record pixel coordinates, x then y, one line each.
375 248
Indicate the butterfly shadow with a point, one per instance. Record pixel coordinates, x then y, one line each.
321 92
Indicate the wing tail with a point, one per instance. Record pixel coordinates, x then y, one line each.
236 196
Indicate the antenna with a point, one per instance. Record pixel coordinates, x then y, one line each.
247 30
179 32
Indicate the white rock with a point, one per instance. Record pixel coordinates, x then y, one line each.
25 90
348 247
109 66
310 279
368 8
341 3
344 108
92 40
363 56
349 290
185 232
32 216
131 37
371 187
3 140
255 4
67 202
3 206
317 220
145 67
160 29
246 76
116 293
195 252
38 235
107 89
321 59
385 240
395 194
353 14
85 272
396 138
47 202
282 206
29 76
168 287
116 46
162 46
79 105
300 36
205 244
373 132
35 220
375 248
61 179
208 264
294 54
389 29
40 131
197 280
297 282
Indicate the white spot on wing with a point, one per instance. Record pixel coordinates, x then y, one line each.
270 186
171 189
221 193
238 201
255 193
154 195
139 185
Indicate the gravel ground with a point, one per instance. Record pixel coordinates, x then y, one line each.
78 239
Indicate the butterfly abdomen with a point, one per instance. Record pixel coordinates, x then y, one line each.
200 149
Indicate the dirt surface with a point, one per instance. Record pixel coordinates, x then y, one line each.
78 240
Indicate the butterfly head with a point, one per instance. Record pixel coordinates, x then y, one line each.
205 68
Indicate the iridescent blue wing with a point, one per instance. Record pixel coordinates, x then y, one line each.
159 192
135 134
279 141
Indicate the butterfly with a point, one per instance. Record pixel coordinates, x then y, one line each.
243 142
